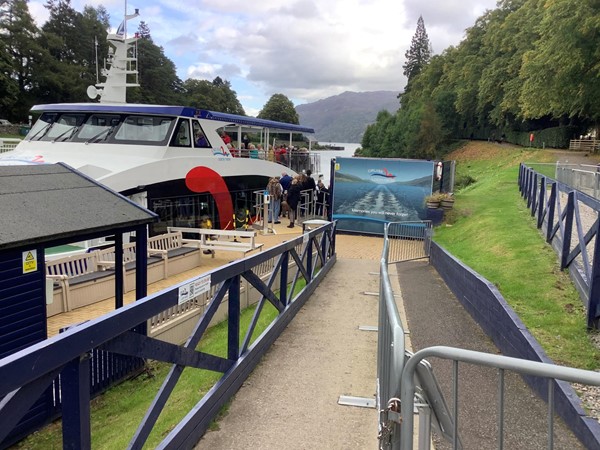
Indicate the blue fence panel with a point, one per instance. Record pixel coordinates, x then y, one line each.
32 371
569 220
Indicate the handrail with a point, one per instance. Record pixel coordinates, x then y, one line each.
391 343
27 374
562 221
523 366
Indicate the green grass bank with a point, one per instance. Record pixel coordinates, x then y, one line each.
491 230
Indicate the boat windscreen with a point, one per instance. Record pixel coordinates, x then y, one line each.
144 129
98 125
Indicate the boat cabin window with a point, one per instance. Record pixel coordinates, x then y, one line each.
98 126
143 129
182 136
61 128
41 126
200 140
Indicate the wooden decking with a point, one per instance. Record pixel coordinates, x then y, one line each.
56 322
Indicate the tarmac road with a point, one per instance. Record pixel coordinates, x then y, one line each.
435 317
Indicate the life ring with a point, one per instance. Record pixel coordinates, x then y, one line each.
438 170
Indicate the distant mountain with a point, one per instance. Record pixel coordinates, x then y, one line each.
344 117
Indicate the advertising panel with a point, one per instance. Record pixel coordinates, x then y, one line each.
369 192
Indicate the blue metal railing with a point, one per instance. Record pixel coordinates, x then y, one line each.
27 374
569 220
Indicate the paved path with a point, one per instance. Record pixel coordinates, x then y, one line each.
436 317
290 400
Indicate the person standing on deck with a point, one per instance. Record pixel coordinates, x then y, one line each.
275 191
311 186
226 138
293 198
322 198
286 181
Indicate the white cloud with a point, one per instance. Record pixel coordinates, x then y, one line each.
304 49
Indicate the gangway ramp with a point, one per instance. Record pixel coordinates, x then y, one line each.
290 400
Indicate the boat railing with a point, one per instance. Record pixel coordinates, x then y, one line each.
297 160
8 144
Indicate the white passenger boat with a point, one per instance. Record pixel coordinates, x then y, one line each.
170 159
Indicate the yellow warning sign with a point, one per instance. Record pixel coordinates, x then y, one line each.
29 261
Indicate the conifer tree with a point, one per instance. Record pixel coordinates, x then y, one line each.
419 53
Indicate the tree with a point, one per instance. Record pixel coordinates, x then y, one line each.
159 83
21 59
419 53
215 96
279 108
144 31
561 74
70 38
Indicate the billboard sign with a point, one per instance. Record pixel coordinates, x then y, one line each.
369 192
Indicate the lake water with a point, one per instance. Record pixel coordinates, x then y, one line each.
327 155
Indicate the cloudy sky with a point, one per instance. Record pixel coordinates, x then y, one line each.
304 49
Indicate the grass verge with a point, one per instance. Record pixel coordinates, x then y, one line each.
492 231
117 413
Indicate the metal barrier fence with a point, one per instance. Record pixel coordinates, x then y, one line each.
418 387
390 353
569 220
391 346
308 208
27 374
583 177
408 241
549 371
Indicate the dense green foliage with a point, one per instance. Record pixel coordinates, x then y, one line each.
57 62
419 53
526 66
279 108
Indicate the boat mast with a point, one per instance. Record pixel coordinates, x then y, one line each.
122 61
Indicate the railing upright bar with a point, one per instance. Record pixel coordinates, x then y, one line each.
500 409
568 231
455 405
551 211
541 205
550 413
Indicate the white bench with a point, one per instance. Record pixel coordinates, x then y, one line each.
77 271
176 252
223 240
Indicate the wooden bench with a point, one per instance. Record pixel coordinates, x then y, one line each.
72 271
172 248
86 278
223 240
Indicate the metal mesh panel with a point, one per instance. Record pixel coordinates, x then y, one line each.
409 240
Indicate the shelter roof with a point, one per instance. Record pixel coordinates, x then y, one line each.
51 202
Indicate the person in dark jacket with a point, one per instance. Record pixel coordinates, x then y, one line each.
322 199
311 187
293 197
286 181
